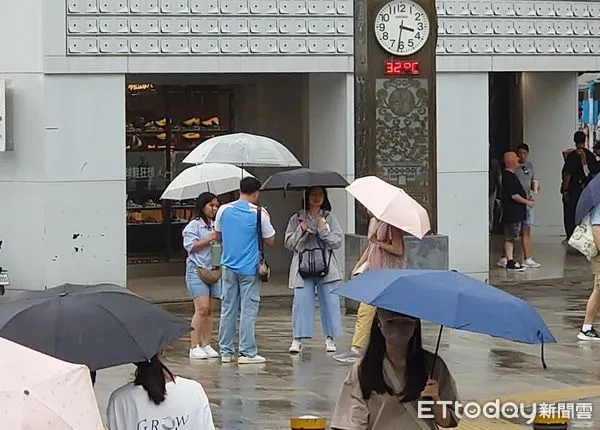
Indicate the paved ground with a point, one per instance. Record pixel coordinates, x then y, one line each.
557 264
265 397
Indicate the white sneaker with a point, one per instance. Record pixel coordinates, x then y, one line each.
330 345
295 347
198 353
502 262
210 351
226 358
251 360
531 263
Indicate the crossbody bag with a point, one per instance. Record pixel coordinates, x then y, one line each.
264 271
209 276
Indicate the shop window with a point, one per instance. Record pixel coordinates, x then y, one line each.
164 124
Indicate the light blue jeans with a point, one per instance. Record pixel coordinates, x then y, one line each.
239 292
303 310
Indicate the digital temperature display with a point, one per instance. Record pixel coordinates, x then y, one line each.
402 68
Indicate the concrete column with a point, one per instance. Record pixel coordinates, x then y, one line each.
331 135
22 174
84 141
462 169
549 121
62 188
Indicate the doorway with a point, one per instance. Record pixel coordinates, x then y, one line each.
505 120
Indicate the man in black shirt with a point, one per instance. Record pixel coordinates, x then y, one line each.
579 168
514 208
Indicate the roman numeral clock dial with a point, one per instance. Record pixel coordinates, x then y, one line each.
402 27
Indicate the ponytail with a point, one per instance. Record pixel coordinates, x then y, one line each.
151 376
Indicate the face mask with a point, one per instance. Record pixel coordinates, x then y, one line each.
397 336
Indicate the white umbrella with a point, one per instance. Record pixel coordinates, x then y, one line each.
216 178
242 149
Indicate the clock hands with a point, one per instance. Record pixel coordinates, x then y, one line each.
400 34
403 27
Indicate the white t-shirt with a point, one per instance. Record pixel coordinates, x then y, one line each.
185 407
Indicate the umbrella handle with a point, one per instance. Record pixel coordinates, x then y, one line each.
437 348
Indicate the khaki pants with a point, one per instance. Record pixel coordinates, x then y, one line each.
362 327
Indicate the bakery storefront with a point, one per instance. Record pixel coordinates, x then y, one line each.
164 123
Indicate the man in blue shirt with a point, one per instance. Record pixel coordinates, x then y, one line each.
237 229
588 332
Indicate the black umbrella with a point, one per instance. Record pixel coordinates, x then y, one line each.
97 325
300 179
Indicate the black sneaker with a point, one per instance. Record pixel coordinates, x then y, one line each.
514 266
590 334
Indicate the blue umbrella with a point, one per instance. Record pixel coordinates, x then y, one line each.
589 199
450 299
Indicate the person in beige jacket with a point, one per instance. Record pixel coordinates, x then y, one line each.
383 390
313 235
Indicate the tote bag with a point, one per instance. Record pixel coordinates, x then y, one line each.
582 239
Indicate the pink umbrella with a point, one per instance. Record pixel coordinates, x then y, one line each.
391 204
41 392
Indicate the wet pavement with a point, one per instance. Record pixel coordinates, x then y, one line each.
558 261
266 396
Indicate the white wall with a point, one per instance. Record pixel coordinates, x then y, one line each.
331 135
331 138
63 186
549 121
462 163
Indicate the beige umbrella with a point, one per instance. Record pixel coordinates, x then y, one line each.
41 392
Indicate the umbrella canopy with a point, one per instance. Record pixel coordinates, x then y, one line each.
589 199
98 325
216 178
242 149
303 178
450 299
41 392
391 205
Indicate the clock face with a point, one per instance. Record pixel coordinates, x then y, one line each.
402 27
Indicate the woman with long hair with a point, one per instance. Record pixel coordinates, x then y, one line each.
198 238
386 250
313 234
158 399
383 389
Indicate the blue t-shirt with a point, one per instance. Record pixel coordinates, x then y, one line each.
239 235
595 215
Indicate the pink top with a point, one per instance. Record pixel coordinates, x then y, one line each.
378 258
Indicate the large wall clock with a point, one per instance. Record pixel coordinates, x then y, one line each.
402 27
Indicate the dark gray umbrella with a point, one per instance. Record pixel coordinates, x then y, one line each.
97 325
300 179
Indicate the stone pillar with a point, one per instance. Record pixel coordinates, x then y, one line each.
395 104
395 113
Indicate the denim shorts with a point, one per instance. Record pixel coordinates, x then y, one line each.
196 286
529 218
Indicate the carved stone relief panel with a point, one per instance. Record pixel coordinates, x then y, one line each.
402 135
504 27
210 27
